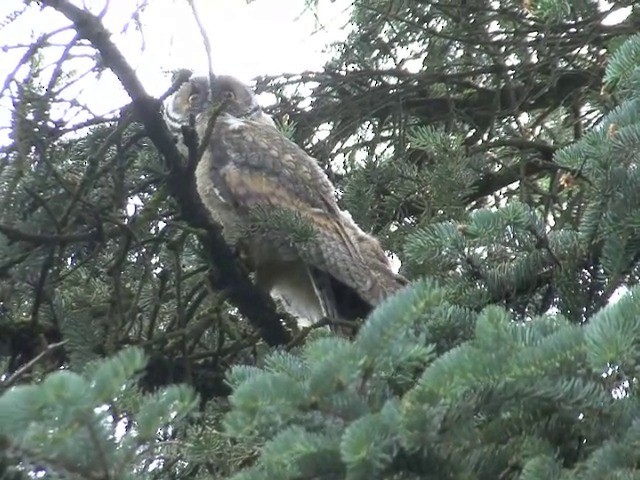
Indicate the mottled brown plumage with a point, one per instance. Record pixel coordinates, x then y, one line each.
341 271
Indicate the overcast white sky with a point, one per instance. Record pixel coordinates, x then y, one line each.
263 37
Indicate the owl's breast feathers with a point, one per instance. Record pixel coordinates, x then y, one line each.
250 164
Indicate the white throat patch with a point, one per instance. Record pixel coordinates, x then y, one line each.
233 123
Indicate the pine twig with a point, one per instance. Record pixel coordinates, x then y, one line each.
17 235
30 364
205 38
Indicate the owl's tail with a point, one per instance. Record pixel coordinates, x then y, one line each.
348 303
383 281
345 303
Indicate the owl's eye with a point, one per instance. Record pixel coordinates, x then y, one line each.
193 99
229 95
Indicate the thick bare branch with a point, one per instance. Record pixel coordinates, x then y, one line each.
251 302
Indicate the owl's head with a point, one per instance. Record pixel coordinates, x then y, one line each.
197 96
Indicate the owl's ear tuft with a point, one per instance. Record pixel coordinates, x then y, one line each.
181 76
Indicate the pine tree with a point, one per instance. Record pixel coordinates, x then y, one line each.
492 148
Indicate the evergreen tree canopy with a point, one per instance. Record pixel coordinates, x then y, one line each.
491 146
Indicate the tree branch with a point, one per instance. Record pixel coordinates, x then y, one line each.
15 376
254 304
18 235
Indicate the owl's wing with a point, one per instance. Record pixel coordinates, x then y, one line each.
256 166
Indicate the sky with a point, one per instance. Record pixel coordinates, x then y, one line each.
248 39
264 37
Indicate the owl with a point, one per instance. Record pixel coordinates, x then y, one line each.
338 271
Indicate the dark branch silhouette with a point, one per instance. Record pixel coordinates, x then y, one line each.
254 304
